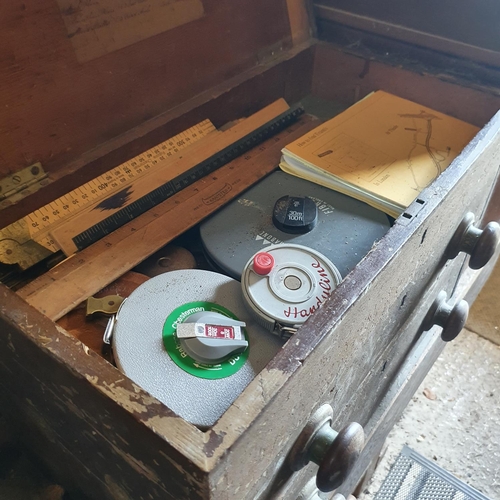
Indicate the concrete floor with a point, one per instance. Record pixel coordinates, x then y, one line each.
454 418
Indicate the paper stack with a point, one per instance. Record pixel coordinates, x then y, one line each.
383 150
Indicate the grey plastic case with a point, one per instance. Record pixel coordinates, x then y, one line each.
345 232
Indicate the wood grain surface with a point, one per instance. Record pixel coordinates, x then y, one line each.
300 20
84 418
460 27
100 426
346 78
100 27
54 107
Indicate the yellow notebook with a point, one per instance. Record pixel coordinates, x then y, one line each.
383 150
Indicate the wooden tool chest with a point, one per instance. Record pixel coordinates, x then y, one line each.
86 86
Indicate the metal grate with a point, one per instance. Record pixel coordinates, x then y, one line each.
413 477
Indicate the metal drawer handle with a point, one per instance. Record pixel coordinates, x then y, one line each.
451 318
480 244
335 453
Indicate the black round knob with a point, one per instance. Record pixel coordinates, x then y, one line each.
340 457
451 318
335 453
480 244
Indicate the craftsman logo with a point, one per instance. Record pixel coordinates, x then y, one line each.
183 360
185 314
218 195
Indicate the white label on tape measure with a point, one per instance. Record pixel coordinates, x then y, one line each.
203 330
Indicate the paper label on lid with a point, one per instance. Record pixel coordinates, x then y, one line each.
99 27
191 330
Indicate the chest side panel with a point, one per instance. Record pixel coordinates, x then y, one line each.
359 322
73 76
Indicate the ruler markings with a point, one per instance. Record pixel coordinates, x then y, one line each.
104 248
70 205
163 183
43 220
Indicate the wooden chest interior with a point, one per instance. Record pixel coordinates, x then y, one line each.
81 107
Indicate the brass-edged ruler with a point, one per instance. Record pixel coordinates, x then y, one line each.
29 240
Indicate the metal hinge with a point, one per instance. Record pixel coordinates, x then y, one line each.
15 187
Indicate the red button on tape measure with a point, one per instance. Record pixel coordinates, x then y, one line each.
263 263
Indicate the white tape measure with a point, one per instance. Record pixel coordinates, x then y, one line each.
147 351
285 284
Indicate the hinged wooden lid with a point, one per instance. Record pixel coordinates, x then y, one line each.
74 75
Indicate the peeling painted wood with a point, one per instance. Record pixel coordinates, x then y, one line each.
335 349
95 404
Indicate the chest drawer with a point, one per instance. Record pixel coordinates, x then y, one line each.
358 335
362 352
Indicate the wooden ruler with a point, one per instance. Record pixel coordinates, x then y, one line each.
71 282
29 240
171 176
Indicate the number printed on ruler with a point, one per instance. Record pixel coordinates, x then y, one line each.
41 221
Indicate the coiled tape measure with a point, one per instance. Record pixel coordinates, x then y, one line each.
199 374
283 285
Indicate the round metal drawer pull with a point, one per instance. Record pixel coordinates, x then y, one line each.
480 244
451 318
334 452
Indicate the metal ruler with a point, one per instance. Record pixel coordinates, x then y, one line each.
28 240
